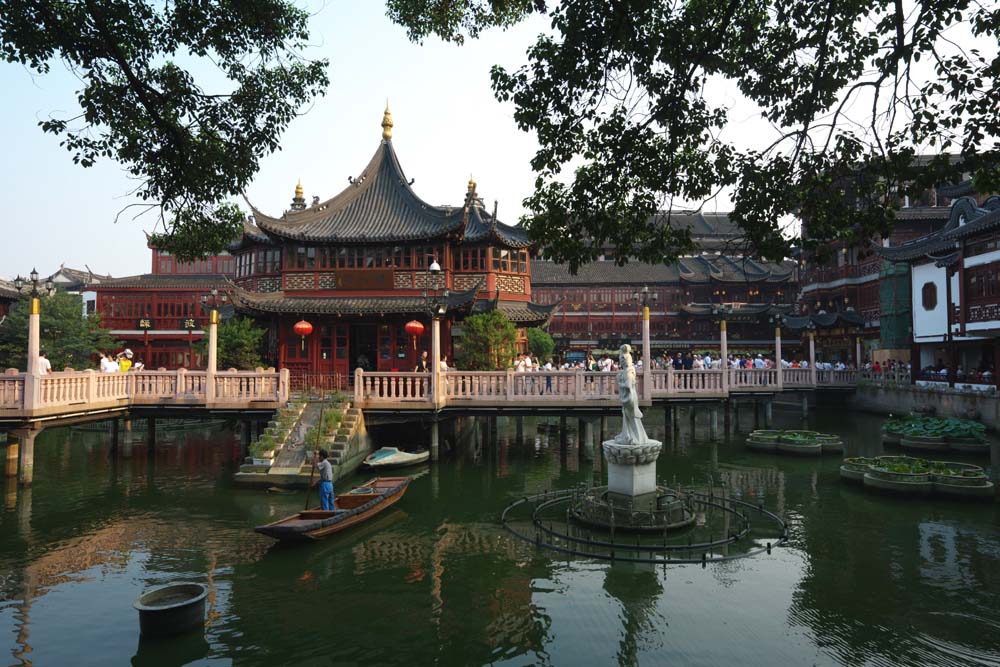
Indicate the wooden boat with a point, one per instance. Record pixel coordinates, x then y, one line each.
393 457
356 506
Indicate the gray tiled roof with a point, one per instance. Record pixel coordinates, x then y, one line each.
278 302
702 268
823 320
165 281
740 309
701 223
379 205
965 219
923 213
8 292
524 313
251 234
480 226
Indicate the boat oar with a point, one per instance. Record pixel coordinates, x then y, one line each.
315 453
309 488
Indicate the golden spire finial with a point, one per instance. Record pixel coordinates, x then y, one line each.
472 184
298 189
387 122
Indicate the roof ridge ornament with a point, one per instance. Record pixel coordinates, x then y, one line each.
387 122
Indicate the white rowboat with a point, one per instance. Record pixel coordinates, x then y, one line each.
393 457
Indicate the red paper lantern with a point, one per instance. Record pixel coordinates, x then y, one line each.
415 329
303 329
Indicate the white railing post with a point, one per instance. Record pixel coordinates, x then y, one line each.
724 353
284 384
359 389
647 359
670 376
510 384
91 393
777 357
31 391
181 383
812 358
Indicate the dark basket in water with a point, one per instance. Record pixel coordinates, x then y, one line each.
171 609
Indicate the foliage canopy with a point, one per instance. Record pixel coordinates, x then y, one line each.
540 344
618 94
488 342
66 336
189 147
239 344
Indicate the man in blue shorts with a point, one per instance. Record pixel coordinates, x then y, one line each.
325 479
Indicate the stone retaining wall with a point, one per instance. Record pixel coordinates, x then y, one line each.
903 400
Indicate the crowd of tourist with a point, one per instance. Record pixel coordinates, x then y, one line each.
527 362
120 363
889 366
109 362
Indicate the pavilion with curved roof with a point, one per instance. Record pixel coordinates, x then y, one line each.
361 265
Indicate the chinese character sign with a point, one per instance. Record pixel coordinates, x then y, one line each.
145 323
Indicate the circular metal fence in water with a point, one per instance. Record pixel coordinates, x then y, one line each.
725 528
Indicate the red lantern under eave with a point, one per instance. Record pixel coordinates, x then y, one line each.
303 329
415 329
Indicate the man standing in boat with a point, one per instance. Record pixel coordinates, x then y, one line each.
325 479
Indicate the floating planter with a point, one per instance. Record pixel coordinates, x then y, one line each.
171 609
935 434
918 477
799 443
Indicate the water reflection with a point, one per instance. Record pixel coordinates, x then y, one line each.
864 579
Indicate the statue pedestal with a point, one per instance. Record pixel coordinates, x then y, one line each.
632 473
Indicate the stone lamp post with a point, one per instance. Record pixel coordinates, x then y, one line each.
438 309
644 297
211 365
34 333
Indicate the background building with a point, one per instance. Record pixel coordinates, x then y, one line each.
160 315
955 288
598 306
867 294
8 295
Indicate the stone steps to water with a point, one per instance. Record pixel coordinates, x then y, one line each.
293 464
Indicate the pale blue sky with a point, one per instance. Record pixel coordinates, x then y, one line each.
447 125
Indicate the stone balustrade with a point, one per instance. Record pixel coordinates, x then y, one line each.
23 395
574 388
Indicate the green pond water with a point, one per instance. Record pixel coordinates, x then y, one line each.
863 579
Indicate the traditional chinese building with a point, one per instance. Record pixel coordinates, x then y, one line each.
161 315
356 269
8 295
865 298
955 288
599 304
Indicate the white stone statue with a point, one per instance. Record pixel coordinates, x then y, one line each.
633 432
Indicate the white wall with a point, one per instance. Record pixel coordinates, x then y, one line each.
928 323
88 296
985 258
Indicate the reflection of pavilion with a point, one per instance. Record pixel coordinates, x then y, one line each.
637 588
504 603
